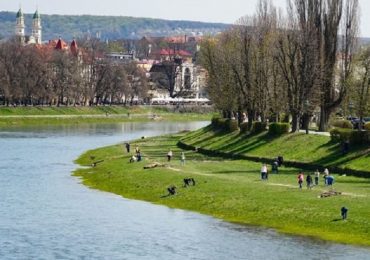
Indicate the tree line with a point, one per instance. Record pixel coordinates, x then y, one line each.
276 66
37 75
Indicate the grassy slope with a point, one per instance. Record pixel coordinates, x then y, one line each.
300 147
75 115
231 190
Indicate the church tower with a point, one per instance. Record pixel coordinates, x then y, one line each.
36 27
20 27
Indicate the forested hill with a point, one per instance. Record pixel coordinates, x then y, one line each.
109 27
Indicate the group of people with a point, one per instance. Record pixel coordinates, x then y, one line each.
274 168
170 155
137 157
328 179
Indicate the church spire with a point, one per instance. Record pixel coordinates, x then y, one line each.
19 26
36 27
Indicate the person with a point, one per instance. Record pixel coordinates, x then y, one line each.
345 147
326 174
169 155
138 156
309 181
280 160
300 179
330 180
264 172
275 167
343 212
137 150
317 176
182 158
127 147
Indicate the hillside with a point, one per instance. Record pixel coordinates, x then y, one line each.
109 27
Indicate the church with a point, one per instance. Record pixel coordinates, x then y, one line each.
20 29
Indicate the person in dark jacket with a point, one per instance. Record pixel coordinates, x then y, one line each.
343 212
309 181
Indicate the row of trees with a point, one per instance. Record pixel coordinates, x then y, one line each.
40 75
270 65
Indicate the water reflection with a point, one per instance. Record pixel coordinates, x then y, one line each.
46 213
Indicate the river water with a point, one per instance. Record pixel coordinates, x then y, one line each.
45 213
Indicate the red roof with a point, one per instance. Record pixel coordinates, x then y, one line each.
74 47
59 44
169 52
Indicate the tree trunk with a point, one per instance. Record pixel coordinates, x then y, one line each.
295 122
324 119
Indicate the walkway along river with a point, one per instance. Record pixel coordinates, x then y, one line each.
45 213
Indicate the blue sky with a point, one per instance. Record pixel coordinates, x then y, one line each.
226 11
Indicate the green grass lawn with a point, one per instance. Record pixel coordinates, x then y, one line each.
315 149
232 190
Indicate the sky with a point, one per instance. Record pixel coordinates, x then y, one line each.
224 11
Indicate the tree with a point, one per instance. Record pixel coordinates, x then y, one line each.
360 93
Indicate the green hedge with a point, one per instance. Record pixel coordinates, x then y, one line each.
353 136
229 125
343 124
244 127
258 127
279 128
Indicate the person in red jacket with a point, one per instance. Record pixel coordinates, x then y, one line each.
300 179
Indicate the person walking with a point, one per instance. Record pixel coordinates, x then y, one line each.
326 174
127 147
169 155
300 179
317 176
309 181
275 167
343 212
182 158
264 172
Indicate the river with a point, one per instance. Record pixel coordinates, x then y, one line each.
45 213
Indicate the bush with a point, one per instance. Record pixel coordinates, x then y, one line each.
367 126
258 127
279 128
343 124
215 121
353 136
231 125
244 127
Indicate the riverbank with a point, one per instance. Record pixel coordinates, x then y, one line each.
231 190
20 116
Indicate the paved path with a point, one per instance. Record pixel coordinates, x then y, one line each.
315 133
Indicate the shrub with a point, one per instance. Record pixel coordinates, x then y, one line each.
353 136
279 128
367 126
258 127
231 125
342 124
244 127
215 121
